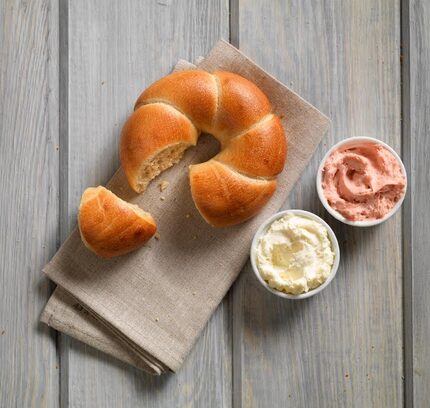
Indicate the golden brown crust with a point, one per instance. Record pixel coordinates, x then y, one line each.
150 129
192 92
110 226
241 105
224 197
234 186
260 152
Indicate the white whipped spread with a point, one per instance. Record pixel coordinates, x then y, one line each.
295 254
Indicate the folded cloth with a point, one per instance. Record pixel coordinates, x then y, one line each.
148 307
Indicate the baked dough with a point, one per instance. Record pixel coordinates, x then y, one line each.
110 226
170 115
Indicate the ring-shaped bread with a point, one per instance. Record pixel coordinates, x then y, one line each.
170 115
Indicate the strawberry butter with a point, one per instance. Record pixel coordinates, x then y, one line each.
363 181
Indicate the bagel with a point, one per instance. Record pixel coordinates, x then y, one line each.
170 115
109 226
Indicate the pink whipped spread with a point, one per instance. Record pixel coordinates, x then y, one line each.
363 181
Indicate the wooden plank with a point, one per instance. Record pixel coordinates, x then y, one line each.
115 50
416 119
28 199
343 347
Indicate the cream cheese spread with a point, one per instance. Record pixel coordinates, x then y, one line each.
295 254
363 181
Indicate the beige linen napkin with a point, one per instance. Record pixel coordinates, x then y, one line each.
148 307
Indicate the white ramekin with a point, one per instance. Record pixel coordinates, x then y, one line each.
352 141
262 230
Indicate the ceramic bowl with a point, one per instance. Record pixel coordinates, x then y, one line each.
352 141
262 230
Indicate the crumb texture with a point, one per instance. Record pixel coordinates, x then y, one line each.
160 162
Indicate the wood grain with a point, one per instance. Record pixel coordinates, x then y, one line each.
416 145
115 50
343 347
28 199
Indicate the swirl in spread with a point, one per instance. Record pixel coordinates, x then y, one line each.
363 181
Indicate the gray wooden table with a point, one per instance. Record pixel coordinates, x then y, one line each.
69 74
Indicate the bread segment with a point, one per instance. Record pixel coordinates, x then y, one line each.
110 226
149 131
192 92
241 104
225 197
259 152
